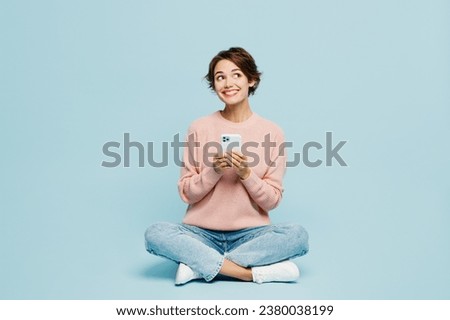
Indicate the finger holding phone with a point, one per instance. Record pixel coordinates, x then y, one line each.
220 163
239 163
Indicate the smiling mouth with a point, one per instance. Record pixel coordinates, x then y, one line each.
230 93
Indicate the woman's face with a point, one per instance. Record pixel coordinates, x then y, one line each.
230 83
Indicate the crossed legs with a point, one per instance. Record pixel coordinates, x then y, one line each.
240 254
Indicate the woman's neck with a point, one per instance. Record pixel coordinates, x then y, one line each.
237 113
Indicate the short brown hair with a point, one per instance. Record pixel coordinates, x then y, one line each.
241 58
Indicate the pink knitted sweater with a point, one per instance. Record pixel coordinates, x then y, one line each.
224 201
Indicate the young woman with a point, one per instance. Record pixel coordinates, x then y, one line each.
226 229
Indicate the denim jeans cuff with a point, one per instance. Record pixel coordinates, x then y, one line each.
211 276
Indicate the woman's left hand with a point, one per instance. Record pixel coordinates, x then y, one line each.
238 162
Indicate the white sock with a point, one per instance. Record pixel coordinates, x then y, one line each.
284 271
185 274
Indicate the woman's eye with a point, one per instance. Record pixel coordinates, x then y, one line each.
219 78
237 75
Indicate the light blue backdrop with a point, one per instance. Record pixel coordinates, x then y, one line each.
77 74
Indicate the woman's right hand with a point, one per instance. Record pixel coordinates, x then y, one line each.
220 163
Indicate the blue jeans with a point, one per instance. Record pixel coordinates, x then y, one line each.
205 250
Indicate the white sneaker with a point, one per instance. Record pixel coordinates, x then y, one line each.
185 274
285 271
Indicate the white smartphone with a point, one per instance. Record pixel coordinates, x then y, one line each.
230 141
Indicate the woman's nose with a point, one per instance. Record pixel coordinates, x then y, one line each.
228 82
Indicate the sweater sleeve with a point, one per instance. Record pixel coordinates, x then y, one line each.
196 179
267 191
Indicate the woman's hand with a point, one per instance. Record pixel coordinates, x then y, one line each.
220 163
234 160
238 162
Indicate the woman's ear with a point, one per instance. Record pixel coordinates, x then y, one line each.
252 83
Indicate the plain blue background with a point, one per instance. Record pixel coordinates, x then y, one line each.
77 74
